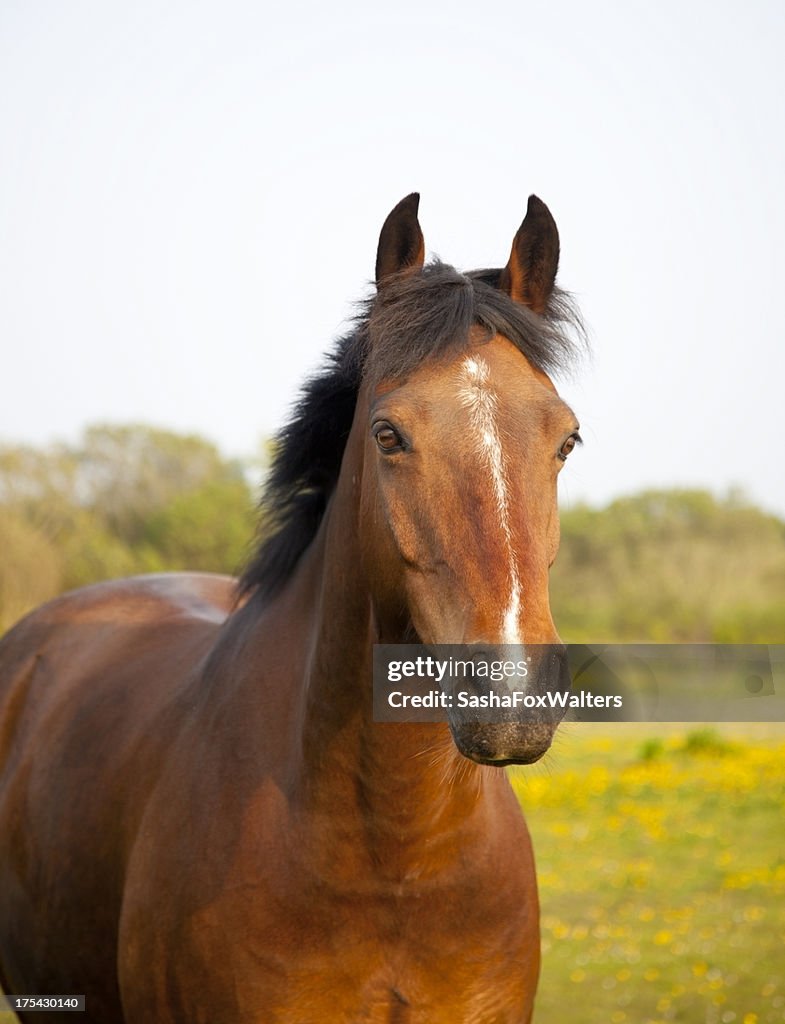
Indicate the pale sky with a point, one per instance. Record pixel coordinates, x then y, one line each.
191 195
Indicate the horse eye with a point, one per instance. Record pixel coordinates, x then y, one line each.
568 446
388 439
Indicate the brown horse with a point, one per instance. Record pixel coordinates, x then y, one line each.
199 818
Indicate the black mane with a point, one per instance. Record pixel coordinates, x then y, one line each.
413 318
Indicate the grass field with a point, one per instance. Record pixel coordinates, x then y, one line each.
661 865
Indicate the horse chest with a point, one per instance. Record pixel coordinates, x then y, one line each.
343 977
284 945
407 956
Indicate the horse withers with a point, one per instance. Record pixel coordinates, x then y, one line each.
200 819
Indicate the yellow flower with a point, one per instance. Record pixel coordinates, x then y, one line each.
754 913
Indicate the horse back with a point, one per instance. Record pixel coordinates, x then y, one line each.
92 686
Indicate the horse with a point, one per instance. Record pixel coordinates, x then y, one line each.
200 819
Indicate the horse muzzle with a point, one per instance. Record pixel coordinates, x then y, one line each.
512 719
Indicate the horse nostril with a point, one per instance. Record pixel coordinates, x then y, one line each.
479 662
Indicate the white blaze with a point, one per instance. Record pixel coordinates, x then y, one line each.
480 400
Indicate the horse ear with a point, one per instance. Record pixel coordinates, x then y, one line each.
531 271
401 243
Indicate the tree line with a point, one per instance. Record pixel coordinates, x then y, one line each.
659 566
123 500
